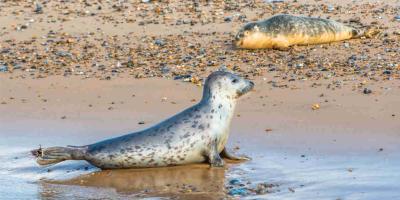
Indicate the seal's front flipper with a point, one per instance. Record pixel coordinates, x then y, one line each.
54 155
227 155
213 156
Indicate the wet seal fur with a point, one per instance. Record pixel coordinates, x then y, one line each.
195 135
283 31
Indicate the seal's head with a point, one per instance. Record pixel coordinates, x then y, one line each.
224 84
248 36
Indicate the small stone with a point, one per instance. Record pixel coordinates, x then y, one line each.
228 19
234 182
64 117
268 130
367 91
3 68
350 170
397 18
331 8
237 191
38 8
262 188
141 122
355 20
159 42
165 69
315 106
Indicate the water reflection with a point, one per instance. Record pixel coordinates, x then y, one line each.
194 181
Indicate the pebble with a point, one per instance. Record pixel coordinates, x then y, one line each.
367 91
3 68
262 188
331 8
238 192
234 182
38 8
159 42
315 106
228 19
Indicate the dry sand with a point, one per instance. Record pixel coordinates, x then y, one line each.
73 77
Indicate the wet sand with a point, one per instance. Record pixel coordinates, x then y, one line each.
322 123
347 149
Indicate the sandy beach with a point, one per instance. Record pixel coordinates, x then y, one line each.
322 122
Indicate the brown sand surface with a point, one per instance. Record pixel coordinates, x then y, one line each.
79 72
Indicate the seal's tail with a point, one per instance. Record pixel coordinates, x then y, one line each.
368 33
53 155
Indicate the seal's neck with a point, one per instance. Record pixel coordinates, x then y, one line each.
221 107
220 102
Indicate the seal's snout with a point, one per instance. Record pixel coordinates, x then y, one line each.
238 40
251 84
250 87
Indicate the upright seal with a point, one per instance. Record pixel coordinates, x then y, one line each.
195 135
283 31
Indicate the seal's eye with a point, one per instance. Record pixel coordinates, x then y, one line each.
234 80
246 33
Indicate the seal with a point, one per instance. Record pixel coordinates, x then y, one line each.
283 31
195 135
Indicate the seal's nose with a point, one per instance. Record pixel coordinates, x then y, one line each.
251 84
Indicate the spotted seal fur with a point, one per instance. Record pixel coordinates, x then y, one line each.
283 31
195 135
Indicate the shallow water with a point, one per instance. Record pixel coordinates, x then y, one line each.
314 176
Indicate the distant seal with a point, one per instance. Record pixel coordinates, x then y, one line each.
195 135
283 31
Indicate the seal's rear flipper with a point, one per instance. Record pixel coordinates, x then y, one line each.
54 155
369 32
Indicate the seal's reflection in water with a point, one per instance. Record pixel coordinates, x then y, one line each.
192 181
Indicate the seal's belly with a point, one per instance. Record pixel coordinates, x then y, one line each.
317 39
135 154
151 158
260 40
